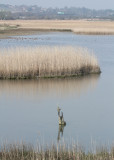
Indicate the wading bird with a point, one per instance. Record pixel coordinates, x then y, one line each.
61 118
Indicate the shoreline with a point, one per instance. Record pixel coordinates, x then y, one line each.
26 31
51 77
5 34
28 27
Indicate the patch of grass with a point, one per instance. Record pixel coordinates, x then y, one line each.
8 26
7 29
37 62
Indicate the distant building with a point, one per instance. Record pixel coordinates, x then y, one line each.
62 13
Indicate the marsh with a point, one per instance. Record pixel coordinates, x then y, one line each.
28 108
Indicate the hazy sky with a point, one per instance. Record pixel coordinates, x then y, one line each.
93 4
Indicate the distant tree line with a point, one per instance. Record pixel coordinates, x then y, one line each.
6 15
35 12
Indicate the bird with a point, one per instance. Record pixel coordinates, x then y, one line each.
58 109
61 118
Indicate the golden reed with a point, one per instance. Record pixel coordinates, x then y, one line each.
22 151
45 61
20 27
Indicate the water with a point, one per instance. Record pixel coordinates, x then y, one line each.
28 108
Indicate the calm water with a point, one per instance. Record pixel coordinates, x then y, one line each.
28 109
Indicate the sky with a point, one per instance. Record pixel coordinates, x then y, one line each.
92 4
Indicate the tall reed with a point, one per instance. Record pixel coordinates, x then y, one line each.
44 61
53 152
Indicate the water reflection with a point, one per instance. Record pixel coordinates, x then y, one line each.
35 101
43 87
62 124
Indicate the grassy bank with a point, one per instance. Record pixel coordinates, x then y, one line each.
54 152
36 62
22 27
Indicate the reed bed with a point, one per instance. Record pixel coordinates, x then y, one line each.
21 27
44 61
53 152
94 31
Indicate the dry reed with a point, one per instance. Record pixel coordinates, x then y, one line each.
53 152
35 62
77 26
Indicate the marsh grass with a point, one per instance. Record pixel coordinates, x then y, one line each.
36 62
53 152
76 26
94 31
6 26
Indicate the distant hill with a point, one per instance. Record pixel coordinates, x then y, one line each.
36 12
